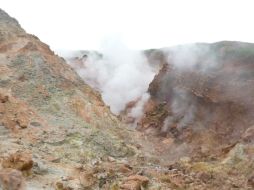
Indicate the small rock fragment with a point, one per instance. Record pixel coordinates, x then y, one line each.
62 186
86 178
40 168
22 120
134 182
20 160
35 124
124 168
4 98
250 181
11 179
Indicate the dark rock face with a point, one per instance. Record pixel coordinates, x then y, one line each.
204 89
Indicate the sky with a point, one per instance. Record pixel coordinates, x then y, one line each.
140 24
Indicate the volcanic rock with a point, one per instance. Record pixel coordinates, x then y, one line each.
203 95
11 179
20 161
201 108
135 182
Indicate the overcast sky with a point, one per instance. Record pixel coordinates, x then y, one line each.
84 24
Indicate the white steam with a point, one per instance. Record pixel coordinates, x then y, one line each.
186 59
183 107
137 111
188 56
120 74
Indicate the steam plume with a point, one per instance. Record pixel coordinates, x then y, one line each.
120 74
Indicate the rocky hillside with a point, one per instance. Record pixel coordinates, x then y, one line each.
200 109
202 99
56 133
203 87
51 122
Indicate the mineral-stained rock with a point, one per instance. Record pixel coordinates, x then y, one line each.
251 181
62 186
11 179
134 182
4 98
20 161
203 113
203 95
130 185
87 178
50 110
14 113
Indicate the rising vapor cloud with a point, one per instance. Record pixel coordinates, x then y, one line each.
120 74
